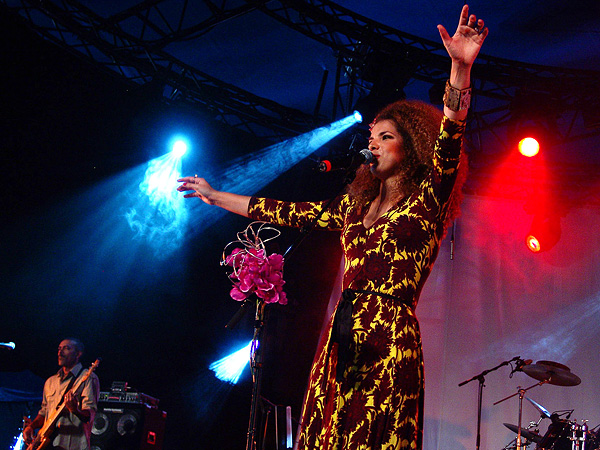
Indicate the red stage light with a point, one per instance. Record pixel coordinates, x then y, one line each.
529 147
532 243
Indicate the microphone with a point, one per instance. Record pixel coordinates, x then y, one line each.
522 363
347 162
519 364
8 345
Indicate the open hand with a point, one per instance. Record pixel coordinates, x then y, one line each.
464 46
199 187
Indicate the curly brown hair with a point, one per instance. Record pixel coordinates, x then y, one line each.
419 125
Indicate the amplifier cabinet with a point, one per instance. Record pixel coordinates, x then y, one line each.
128 426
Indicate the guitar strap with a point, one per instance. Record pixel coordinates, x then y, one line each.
71 383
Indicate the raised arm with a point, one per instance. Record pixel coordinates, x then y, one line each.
200 188
463 47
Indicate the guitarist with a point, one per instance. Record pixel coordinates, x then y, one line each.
73 428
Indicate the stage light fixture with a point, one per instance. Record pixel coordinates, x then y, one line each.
230 368
358 117
544 233
533 123
529 137
179 148
529 146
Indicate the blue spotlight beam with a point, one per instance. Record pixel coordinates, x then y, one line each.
230 368
19 443
159 214
248 174
122 219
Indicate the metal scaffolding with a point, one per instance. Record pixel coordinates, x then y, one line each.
133 43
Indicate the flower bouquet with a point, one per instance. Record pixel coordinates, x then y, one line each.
254 271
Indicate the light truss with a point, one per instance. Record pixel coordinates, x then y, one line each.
134 43
496 80
139 58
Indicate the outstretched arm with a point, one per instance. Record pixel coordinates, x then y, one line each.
200 188
463 47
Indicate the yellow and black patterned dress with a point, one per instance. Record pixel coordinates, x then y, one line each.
378 402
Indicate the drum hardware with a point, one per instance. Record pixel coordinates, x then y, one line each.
512 445
521 393
564 434
531 436
579 435
557 435
546 372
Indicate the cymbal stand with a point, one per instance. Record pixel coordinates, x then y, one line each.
510 445
481 379
521 393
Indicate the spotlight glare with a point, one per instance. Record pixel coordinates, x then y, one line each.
529 147
532 243
179 148
19 444
358 117
159 214
230 368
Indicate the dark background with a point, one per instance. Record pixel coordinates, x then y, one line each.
65 129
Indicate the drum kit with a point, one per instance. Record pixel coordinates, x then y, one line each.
562 433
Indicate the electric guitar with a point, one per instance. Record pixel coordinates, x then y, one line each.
46 433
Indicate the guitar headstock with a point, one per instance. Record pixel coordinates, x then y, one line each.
95 364
91 369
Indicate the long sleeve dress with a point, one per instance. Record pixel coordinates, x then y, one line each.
378 402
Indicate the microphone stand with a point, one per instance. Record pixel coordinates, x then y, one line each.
481 379
260 319
256 370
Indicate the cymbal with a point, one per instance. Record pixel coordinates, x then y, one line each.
529 435
552 372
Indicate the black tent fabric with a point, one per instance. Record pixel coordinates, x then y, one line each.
21 386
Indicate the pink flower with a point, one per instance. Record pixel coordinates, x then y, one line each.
256 273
